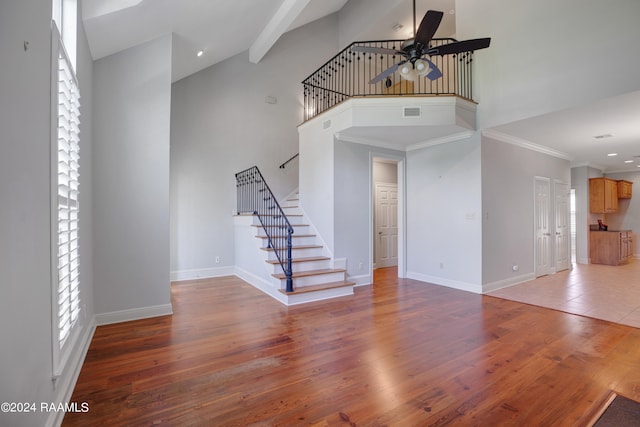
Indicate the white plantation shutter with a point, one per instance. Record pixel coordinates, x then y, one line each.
65 162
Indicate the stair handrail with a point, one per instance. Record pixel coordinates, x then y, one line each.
282 166
254 196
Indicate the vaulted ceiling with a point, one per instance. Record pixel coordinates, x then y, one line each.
224 28
220 28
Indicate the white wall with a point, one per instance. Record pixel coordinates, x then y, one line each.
221 125
132 96
358 17
25 184
508 173
385 172
523 74
628 215
353 204
444 239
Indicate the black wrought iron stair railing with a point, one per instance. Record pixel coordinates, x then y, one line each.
255 197
348 74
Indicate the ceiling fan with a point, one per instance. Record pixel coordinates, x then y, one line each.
416 49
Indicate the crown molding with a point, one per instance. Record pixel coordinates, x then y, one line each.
442 140
523 143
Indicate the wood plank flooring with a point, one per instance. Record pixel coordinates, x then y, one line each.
398 353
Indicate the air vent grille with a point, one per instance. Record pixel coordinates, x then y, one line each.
411 112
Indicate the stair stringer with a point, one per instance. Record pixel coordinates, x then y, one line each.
250 261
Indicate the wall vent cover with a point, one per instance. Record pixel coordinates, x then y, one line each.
411 112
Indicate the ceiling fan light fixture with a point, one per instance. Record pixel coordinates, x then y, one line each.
407 72
422 67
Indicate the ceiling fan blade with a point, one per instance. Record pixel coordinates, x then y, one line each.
380 50
435 72
386 73
457 47
428 26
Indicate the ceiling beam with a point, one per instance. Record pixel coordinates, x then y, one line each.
277 26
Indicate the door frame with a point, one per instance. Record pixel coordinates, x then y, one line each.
402 250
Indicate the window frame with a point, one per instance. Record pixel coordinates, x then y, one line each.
65 310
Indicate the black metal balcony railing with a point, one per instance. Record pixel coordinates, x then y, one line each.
255 197
348 74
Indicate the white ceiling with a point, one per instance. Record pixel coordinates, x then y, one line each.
224 28
572 132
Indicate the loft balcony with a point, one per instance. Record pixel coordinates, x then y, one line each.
348 74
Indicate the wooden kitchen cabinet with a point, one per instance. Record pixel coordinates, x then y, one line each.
611 247
603 195
624 189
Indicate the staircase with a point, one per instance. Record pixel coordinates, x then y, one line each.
313 272
262 224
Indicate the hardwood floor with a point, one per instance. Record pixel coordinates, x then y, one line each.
399 353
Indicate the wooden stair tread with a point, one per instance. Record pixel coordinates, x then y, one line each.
295 247
304 259
320 287
309 273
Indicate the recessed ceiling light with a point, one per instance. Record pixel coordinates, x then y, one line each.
612 154
200 53
628 161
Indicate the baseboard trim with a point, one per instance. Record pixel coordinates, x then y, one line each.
133 314
511 281
362 280
462 286
67 386
260 284
201 273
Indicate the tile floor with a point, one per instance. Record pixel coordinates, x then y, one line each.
600 291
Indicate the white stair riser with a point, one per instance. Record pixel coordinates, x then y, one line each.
293 220
316 279
297 229
295 240
293 210
304 266
298 253
319 295
290 202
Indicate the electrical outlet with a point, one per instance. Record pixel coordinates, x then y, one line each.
441 265
515 267
361 266
217 260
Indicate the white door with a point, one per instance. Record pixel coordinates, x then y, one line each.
386 225
542 231
563 229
